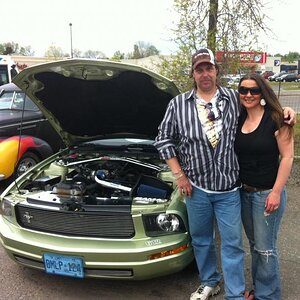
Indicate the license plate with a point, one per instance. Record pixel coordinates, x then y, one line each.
63 265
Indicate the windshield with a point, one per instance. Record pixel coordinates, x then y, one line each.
15 100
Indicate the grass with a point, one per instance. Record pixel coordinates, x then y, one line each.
295 86
288 86
292 86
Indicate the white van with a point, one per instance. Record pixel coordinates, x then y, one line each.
8 69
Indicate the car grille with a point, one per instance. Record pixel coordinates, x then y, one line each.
87 224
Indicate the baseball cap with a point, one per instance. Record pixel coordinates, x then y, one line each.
201 56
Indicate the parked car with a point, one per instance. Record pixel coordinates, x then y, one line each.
230 80
267 74
273 77
287 77
106 206
8 69
24 133
226 81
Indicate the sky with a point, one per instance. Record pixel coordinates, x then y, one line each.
116 25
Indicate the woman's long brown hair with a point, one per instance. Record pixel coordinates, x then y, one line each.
270 97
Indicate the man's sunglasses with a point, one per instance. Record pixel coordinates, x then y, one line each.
253 91
211 115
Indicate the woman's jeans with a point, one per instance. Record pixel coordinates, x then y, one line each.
262 233
202 207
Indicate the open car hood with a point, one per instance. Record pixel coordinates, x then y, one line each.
90 99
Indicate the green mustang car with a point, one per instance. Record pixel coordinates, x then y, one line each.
106 206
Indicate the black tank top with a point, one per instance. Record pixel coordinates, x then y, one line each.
258 153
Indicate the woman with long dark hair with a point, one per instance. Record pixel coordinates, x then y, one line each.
265 148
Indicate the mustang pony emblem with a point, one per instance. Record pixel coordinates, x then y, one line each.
27 216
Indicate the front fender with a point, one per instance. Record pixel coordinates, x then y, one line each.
9 152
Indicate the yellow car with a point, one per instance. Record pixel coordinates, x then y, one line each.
26 137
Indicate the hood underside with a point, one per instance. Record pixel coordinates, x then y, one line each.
89 99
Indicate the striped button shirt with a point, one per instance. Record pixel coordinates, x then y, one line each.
180 134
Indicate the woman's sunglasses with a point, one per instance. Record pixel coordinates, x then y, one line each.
253 91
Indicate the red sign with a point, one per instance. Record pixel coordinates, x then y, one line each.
243 56
21 66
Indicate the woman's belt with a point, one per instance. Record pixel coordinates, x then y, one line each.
251 189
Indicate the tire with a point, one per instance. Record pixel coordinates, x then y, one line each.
27 161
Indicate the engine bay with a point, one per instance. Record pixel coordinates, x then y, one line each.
83 183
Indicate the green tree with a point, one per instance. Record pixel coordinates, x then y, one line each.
146 49
26 51
14 48
136 52
9 48
291 57
55 52
118 55
2 48
94 54
227 25
142 49
177 67
77 53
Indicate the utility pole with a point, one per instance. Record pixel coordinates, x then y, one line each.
71 40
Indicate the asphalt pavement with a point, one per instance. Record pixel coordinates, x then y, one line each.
288 242
18 282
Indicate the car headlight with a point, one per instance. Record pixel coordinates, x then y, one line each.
6 208
167 222
162 224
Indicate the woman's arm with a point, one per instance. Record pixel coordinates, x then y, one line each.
285 143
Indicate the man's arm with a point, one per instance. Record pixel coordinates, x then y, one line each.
290 116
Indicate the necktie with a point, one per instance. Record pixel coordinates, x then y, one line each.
208 124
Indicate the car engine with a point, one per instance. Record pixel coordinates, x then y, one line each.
82 183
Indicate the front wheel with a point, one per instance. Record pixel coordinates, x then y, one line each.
27 161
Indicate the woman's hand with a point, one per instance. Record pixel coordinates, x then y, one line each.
272 202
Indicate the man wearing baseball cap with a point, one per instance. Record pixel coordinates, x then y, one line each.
201 56
196 138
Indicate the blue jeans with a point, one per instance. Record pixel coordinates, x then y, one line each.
262 233
202 207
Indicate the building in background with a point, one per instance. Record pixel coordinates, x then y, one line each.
255 61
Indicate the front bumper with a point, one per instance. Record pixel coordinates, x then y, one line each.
103 258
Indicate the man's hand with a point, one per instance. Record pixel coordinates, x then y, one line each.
184 185
290 116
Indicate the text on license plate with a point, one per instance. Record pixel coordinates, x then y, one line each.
63 265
